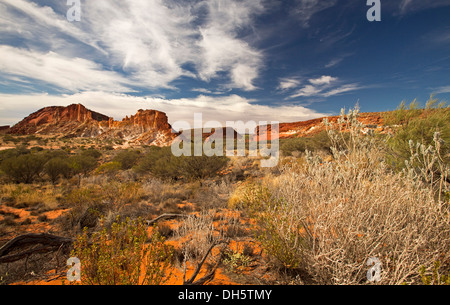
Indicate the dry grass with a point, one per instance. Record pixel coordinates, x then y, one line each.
329 219
25 196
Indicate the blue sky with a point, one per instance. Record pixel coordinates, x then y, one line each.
262 60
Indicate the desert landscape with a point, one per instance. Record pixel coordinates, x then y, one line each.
224 150
75 183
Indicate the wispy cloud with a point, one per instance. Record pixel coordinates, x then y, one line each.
222 50
72 74
288 83
408 6
443 89
149 42
323 80
306 9
325 86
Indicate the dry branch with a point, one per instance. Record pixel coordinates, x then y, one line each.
165 216
47 243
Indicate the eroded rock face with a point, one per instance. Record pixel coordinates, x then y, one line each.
4 129
148 127
74 119
151 127
309 128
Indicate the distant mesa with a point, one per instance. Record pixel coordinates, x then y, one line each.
369 120
149 127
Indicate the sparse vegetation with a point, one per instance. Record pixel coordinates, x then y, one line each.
334 201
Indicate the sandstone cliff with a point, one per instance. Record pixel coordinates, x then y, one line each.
148 127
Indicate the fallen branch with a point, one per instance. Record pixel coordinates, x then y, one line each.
48 243
165 216
207 277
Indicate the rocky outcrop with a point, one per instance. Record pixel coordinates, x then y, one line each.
151 127
148 127
370 121
74 120
4 129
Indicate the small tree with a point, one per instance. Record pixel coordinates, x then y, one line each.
82 164
55 168
127 158
24 168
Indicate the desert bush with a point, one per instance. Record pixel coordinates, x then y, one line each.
161 163
317 142
57 167
91 153
119 194
160 191
122 256
198 234
201 167
24 168
9 138
86 207
109 168
329 219
82 164
435 277
236 261
419 126
127 158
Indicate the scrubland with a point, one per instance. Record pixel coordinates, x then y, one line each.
141 216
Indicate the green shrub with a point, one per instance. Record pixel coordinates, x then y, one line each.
120 256
278 232
57 167
109 168
314 143
14 152
82 164
91 153
24 168
201 167
127 158
435 278
418 126
9 138
161 163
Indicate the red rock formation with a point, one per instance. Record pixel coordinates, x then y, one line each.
4 129
57 119
146 127
312 127
149 127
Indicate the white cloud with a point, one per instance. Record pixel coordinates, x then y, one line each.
69 73
323 80
40 25
222 109
443 89
308 90
342 89
152 42
325 86
288 83
221 50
